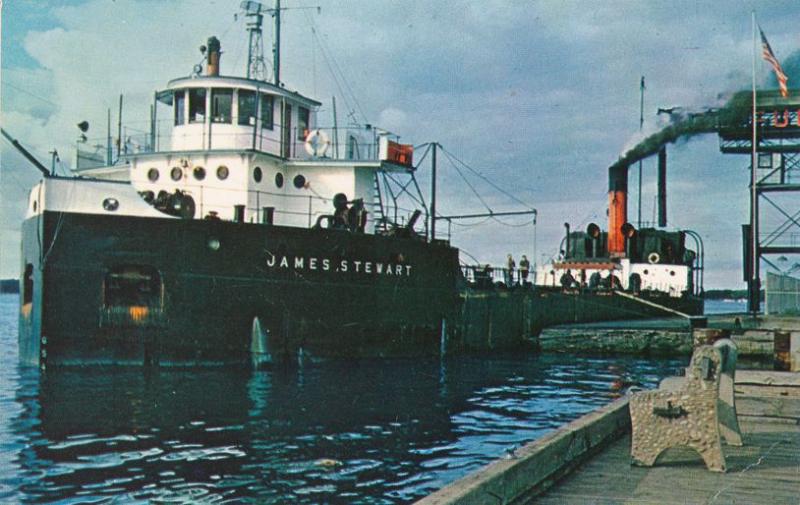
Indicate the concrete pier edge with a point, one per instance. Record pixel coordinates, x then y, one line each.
536 466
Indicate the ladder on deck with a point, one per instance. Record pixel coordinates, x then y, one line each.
380 216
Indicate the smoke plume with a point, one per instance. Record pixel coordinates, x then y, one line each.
685 124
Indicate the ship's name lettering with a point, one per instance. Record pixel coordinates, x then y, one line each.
329 265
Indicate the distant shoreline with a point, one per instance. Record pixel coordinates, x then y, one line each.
728 294
9 286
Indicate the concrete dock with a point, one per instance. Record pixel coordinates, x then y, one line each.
588 460
759 337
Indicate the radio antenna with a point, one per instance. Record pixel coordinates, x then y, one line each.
256 66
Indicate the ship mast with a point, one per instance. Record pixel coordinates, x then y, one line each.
276 47
256 68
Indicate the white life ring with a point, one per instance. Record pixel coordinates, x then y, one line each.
317 143
653 258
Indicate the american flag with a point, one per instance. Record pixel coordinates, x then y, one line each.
766 52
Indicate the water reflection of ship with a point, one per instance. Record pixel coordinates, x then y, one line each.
93 430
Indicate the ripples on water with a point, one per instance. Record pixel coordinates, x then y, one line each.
341 432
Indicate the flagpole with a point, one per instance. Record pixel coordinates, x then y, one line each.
755 288
641 125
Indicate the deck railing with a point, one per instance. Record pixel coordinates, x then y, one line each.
341 143
210 199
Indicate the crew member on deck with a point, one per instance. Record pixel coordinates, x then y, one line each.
341 215
510 265
486 276
567 280
524 267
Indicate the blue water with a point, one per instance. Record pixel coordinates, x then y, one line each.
726 306
341 432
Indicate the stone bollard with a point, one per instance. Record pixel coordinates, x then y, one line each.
707 336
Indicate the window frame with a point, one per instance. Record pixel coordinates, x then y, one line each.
267 120
303 122
194 108
241 119
179 109
215 105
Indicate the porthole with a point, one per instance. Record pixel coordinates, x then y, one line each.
176 173
299 181
257 174
646 271
152 174
279 180
111 204
199 173
672 272
222 172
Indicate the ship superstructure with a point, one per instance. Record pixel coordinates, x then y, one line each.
242 149
646 262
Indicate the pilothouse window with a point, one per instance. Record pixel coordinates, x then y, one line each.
197 105
303 115
180 107
267 104
247 107
221 100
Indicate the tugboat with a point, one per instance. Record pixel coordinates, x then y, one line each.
626 273
237 230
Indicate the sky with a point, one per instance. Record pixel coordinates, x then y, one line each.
539 97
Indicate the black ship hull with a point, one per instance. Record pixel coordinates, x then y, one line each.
129 290
124 290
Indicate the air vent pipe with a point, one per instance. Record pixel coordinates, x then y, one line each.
213 55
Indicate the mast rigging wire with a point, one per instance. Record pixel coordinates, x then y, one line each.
333 67
449 157
486 179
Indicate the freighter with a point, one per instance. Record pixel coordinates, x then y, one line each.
238 229
654 269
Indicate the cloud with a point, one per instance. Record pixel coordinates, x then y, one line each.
394 120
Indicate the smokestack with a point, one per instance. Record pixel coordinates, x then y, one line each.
617 209
662 187
213 54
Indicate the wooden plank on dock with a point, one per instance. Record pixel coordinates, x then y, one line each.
769 407
764 470
768 378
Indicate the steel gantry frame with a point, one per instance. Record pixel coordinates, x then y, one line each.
776 174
